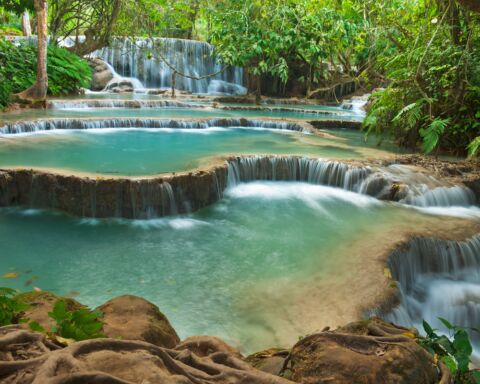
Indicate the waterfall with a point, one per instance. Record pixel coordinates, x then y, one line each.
438 279
411 187
53 124
315 171
383 183
441 197
137 58
356 104
119 103
152 199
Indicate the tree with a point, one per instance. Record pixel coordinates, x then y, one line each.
95 19
38 91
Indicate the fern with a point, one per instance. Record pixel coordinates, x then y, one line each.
432 134
473 147
409 115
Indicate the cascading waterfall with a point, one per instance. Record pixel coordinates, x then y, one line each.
411 187
54 124
119 103
315 171
441 197
136 58
438 278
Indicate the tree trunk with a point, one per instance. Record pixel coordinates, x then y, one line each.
258 91
38 91
26 27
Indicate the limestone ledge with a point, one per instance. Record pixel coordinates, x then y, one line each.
88 195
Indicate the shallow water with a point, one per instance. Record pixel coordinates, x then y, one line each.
206 271
168 112
152 151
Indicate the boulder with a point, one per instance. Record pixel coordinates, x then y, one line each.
41 303
120 86
102 74
366 352
133 318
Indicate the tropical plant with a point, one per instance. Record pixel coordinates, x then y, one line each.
77 325
11 309
67 72
454 350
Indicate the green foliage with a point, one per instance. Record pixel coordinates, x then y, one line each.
432 134
80 324
433 68
454 350
276 37
10 308
67 72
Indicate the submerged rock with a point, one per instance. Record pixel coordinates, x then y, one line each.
133 318
366 352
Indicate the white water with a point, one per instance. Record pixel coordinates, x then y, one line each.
140 59
438 278
59 124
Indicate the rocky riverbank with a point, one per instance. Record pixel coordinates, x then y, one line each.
142 347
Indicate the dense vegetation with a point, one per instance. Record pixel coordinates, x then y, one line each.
424 52
67 72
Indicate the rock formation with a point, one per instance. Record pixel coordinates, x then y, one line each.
102 74
133 318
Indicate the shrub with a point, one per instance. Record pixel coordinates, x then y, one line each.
454 350
11 309
67 72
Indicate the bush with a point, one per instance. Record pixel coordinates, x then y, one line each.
11 309
18 68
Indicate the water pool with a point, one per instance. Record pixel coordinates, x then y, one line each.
137 152
268 263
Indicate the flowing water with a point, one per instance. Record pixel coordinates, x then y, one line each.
150 61
257 266
208 271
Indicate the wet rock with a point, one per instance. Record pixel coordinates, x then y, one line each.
102 74
121 86
366 352
41 303
104 197
133 318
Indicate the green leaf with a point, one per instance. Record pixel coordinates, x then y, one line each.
431 135
450 362
446 323
476 376
36 327
428 329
